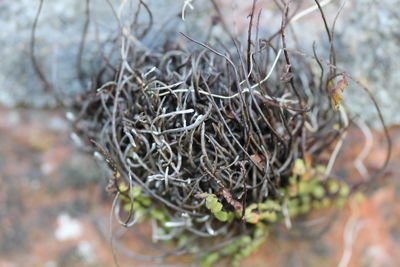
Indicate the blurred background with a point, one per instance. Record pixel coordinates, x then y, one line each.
54 210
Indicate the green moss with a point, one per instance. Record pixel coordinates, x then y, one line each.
246 250
303 193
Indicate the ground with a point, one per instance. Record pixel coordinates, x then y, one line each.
54 210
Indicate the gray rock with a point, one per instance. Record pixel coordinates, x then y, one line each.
58 37
367 41
371 34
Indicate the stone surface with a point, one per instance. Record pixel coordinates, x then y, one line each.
58 37
370 36
367 43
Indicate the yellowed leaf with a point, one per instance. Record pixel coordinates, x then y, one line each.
336 92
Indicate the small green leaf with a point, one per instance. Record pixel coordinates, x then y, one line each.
221 215
333 187
145 201
320 169
213 204
136 191
182 240
123 187
260 231
139 214
128 207
158 215
124 198
245 240
293 203
318 191
358 197
251 207
299 167
231 248
304 187
292 180
305 199
344 190
246 251
325 202
136 205
304 208
269 216
231 216
252 217
274 205
209 259
340 202
293 211
317 204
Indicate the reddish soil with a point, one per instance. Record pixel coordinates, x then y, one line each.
43 175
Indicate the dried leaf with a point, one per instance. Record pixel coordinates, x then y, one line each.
202 195
228 197
258 159
307 160
287 74
336 92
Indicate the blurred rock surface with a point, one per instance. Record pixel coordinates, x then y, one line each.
367 40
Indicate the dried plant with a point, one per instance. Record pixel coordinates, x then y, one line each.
215 146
